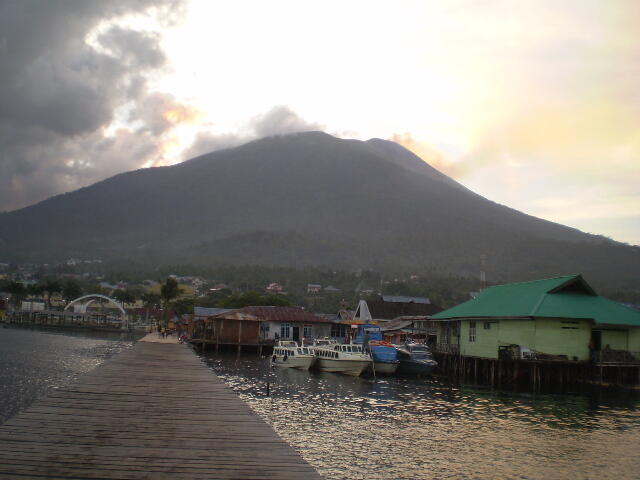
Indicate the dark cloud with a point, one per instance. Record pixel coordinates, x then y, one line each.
280 120
59 93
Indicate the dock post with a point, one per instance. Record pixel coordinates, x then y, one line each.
475 370
493 370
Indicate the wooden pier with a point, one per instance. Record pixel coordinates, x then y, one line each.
152 412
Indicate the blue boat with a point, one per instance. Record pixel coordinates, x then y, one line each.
385 356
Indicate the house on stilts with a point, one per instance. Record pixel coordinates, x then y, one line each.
556 330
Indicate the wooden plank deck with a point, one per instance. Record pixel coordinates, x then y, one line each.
152 412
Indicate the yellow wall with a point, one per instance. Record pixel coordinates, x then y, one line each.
615 339
545 335
634 340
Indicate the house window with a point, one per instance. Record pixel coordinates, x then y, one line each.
472 332
284 330
569 325
487 325
306 331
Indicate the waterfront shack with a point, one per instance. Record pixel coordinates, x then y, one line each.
559 319
290 323
227 328
256 326
410 328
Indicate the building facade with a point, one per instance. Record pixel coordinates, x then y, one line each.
560 318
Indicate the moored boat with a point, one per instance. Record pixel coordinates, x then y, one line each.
384 355
415 359
289 354
337 358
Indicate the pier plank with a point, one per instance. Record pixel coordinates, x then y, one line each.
153 411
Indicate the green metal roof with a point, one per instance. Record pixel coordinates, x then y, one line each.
562 297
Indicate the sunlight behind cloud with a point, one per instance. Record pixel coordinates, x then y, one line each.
519 104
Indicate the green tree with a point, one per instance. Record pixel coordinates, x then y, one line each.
49 287
184 305
35 289
18 292
123 296
150 301
71 290
168 292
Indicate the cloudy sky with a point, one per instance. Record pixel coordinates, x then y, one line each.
534 104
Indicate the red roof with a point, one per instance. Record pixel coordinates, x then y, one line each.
284 314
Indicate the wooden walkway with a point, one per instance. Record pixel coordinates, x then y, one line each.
153 412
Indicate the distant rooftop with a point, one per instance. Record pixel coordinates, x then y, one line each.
401 299
205 311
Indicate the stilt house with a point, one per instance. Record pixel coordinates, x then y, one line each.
559 318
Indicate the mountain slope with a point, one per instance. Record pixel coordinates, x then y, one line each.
301 199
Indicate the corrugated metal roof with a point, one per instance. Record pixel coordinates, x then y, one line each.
284 314
206 312
395 325
402 299
382 310
562 297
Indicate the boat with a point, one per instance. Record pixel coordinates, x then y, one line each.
289 354
415 359
339 358
384 354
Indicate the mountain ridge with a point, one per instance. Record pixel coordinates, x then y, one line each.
305 199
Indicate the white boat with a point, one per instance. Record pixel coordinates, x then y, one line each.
337 358
289 354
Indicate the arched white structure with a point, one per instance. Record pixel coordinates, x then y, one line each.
93 297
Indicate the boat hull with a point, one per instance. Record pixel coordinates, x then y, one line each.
386 368
346 367
416 367
301 363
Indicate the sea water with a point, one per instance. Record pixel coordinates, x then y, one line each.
388 428
35 362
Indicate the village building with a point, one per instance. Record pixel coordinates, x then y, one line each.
219 287
410 328
554 319
274 288
313 288
389 307
290 323
257 326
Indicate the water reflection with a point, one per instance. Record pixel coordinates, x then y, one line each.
33 361
352 428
